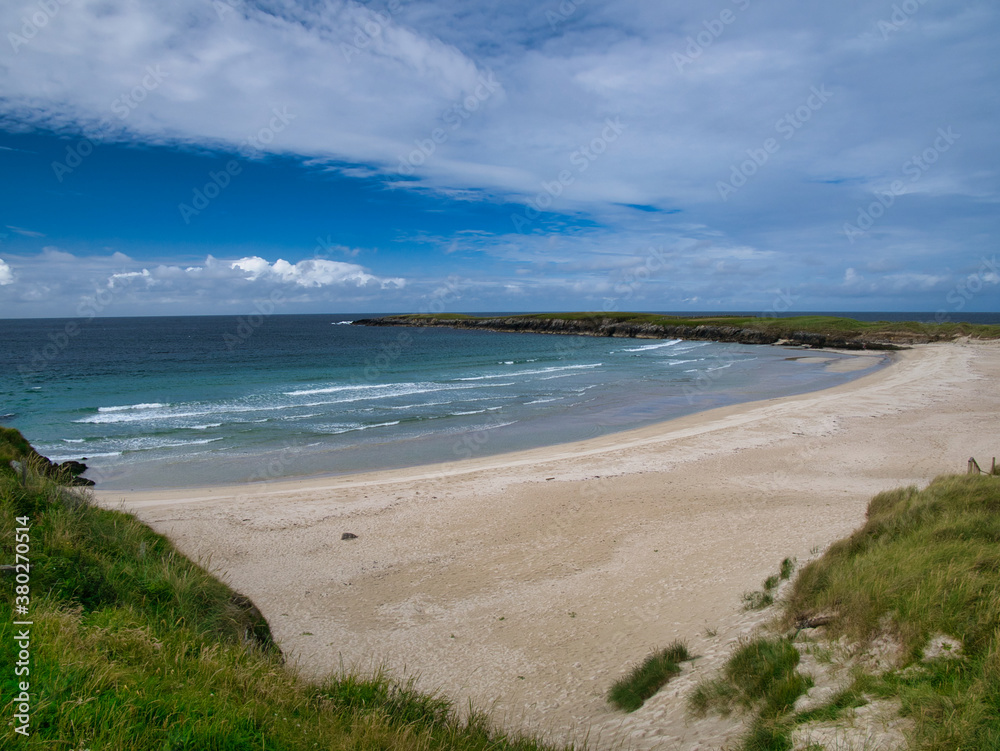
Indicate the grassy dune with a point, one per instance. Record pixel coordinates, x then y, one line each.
926 564
922 576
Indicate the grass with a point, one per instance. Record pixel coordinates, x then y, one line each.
783 328
135 647
925 562
629 693
760 599
759 677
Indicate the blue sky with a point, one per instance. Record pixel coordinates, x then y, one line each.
202 156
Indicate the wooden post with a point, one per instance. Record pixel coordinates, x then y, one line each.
974 467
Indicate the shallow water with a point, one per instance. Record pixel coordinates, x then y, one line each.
161 402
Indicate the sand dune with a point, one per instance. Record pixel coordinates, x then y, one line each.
529 582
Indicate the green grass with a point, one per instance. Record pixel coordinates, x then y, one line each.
759 677
926 562
848 328
760 599
135 647
629 693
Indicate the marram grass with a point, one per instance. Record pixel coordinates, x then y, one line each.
629 693
925 563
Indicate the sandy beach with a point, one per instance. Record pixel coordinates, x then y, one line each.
529 582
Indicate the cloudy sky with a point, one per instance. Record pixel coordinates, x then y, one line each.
203 156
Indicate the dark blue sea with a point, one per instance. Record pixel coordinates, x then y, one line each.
187 401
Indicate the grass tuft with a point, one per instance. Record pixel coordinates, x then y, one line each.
629 693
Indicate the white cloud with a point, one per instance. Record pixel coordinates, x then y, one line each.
20 230
361 90
312 273
128 275
367 86
55 282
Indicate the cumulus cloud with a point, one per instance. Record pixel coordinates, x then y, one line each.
57 282
312 273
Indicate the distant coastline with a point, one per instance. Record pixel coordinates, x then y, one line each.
809 331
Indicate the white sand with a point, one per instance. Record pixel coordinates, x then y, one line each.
529 582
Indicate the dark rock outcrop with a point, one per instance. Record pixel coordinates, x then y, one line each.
15 448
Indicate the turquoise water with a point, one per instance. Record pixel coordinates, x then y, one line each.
162 402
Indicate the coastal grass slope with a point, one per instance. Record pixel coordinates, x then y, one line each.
908 610
923 571
815 331
134 647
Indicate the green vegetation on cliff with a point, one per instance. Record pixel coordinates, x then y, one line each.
809 330
135 647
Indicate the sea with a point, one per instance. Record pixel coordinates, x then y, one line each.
166 402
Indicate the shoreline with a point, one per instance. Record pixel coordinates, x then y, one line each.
290 460
528 582
609 441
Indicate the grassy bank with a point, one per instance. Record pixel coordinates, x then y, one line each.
924 572
135 647
909 607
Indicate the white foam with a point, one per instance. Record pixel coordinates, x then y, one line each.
359 427
127 407
553 369
661 345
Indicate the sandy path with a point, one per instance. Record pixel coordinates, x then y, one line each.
529 582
